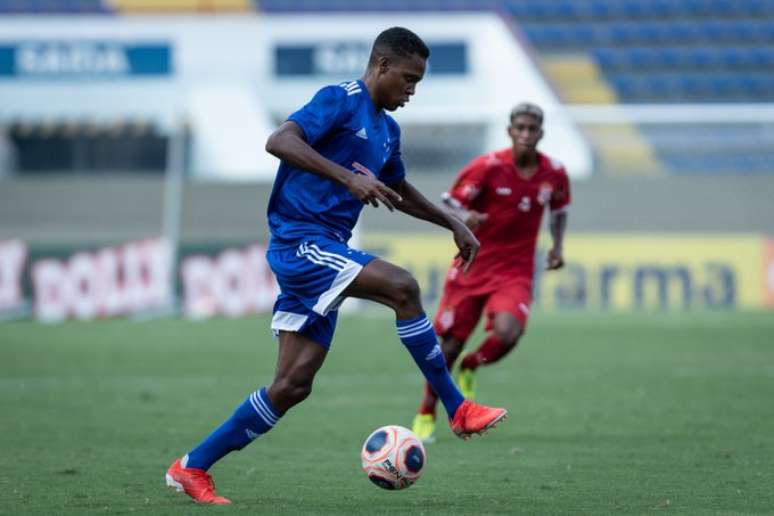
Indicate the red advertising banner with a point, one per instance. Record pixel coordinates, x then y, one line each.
768 272
56 284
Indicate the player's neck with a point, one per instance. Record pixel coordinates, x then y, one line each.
369 79
526 163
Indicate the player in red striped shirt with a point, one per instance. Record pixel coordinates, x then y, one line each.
501 196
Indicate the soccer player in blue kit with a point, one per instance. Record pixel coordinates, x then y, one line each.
338 153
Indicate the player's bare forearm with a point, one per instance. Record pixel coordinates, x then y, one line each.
288 144
557 225
418 206
471 218
450 208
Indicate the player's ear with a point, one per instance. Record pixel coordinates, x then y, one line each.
383 64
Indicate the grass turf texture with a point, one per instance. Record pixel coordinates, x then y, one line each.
609 415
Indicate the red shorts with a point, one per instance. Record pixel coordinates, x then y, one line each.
459 310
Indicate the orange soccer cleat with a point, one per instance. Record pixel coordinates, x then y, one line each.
196 483
472 418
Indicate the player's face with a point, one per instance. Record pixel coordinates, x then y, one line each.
525 132
398 79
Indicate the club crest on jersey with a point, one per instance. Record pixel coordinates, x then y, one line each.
544 194
447 319
525 203
470 191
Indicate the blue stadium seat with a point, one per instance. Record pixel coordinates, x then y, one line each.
548 11
54 7
694 87
704 58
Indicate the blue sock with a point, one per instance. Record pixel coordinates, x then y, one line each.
418 336
255 416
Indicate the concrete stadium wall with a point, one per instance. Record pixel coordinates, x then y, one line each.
97 210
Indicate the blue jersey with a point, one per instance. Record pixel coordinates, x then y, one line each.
342 124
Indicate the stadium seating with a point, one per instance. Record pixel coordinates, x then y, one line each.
648 51
585 35
573 10
594 51
121 6
55 7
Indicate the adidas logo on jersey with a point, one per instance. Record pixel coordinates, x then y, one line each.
362 133
351 87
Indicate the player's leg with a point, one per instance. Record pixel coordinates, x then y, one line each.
424 420
505 335
451 348
395 287
304 337
299 359
507 311
457 316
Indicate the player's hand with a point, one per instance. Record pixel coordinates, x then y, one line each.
365 186
467 243
554 260
473 219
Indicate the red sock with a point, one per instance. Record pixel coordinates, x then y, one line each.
429 400
490 351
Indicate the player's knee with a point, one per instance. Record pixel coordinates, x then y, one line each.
405 291
509 335
451 349
292 390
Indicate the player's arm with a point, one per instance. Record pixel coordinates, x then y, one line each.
288 144
557 220
460 198
472 218
417 205
557 223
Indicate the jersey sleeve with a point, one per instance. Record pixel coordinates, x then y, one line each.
469 184
561 197
326 110
393 172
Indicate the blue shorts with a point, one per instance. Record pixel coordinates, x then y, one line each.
312 274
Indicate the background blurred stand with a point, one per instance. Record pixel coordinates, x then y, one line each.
174 180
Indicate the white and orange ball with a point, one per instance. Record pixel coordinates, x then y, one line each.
393 457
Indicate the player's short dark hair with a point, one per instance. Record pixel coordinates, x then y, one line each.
397 42
528 108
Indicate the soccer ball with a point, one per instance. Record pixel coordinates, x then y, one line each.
393 457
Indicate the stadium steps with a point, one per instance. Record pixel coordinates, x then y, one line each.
577 79
619 146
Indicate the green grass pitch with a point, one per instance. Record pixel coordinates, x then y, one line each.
609 415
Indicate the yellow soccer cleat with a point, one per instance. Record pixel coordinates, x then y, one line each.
424 427
467 383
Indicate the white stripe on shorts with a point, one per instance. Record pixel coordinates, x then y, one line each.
314 257
315 251
287 321
329 299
